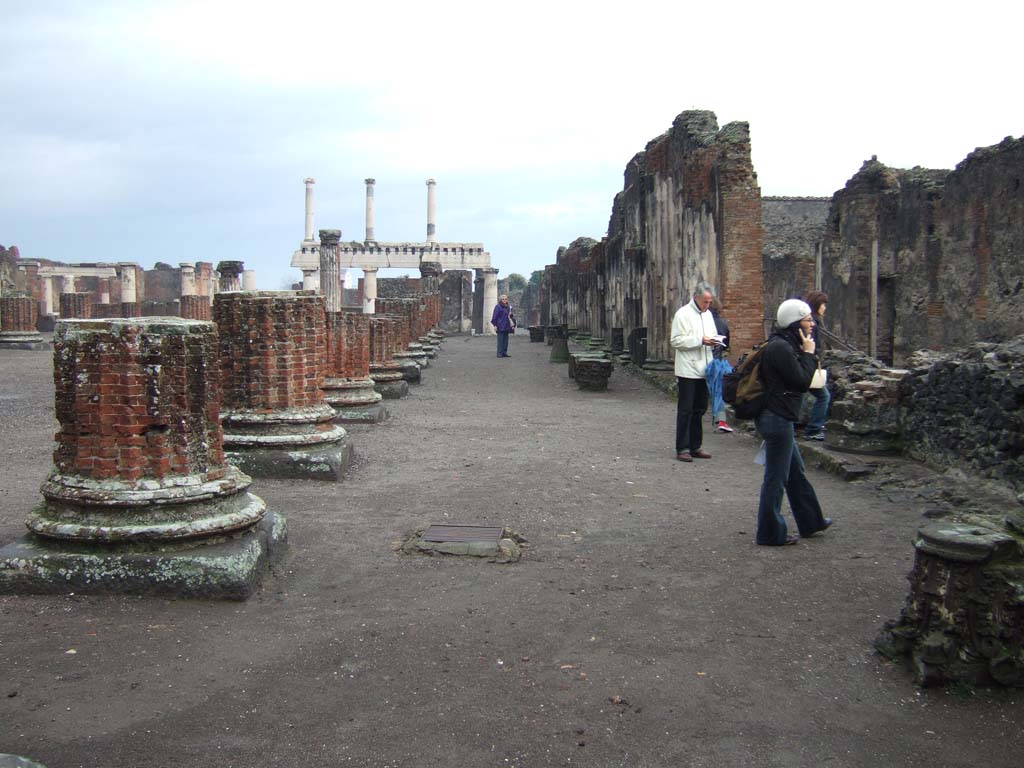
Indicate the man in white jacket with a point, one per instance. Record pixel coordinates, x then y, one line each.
693 336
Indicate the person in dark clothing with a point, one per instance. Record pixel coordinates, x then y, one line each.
815 429
504 321
787 365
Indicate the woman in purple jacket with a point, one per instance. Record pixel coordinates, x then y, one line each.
504 321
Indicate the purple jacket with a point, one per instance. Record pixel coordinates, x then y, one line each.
503 318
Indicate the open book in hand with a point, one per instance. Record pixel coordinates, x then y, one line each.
719 340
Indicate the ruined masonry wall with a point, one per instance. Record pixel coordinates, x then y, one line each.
690 210
348 344
967 408
793 228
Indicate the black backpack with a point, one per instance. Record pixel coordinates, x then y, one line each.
743 388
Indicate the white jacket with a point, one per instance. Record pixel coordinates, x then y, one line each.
689 327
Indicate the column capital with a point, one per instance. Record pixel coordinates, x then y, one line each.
309 180
370 270
370 182
330 237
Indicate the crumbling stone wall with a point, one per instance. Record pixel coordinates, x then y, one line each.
793 229
395 287
966 409
949 245
690 210
162 283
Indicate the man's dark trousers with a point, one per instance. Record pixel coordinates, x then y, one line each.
690 410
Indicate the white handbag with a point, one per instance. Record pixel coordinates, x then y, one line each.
819 379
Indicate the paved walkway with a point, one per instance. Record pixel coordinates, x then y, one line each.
642 628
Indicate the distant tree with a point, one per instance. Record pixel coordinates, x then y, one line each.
516 282
536 276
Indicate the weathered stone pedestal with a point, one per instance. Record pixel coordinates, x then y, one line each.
355 401
389 381
18 317
964 618
618 341
536 333
287 444
867 420
552 332
273 359
559 344
592 373
140 499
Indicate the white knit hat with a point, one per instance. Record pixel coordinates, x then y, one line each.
790 311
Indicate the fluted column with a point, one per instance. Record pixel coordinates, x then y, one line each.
47 295
490 275
369 210
431 211
188 279
128 289
369 290
330 269
309 182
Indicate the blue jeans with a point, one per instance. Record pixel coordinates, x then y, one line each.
502 343
784 471
816 423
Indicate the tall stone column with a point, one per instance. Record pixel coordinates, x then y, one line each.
129 294
490 275
273 348
369 290
67 283
188 279
431 211
311 279
370 238
230 275
308 236
149 506
248 279
330 269
48 295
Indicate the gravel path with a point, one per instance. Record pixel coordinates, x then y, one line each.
641 628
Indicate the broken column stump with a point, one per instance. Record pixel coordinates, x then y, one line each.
387 374
559 344
536 333
348 388
273 360
592 373
140 499
18 317
964 618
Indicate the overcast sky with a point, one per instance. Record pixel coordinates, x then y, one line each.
182 131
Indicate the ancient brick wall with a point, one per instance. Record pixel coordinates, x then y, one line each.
456 300
136 401
272 349
381 344
195 308
18 314
162 283
75 305
690 211
949 245
793 230
394 287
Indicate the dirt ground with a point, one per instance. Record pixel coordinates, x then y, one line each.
643 627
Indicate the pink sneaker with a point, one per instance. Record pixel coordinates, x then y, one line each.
723 427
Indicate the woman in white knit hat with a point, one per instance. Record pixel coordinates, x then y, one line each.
787 365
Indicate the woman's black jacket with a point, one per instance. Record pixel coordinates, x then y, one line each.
786 371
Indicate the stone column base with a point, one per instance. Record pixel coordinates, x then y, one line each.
22 340
365 414
328 462
227 567
392 390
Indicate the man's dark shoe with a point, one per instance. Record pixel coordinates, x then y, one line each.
684 456
701 454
